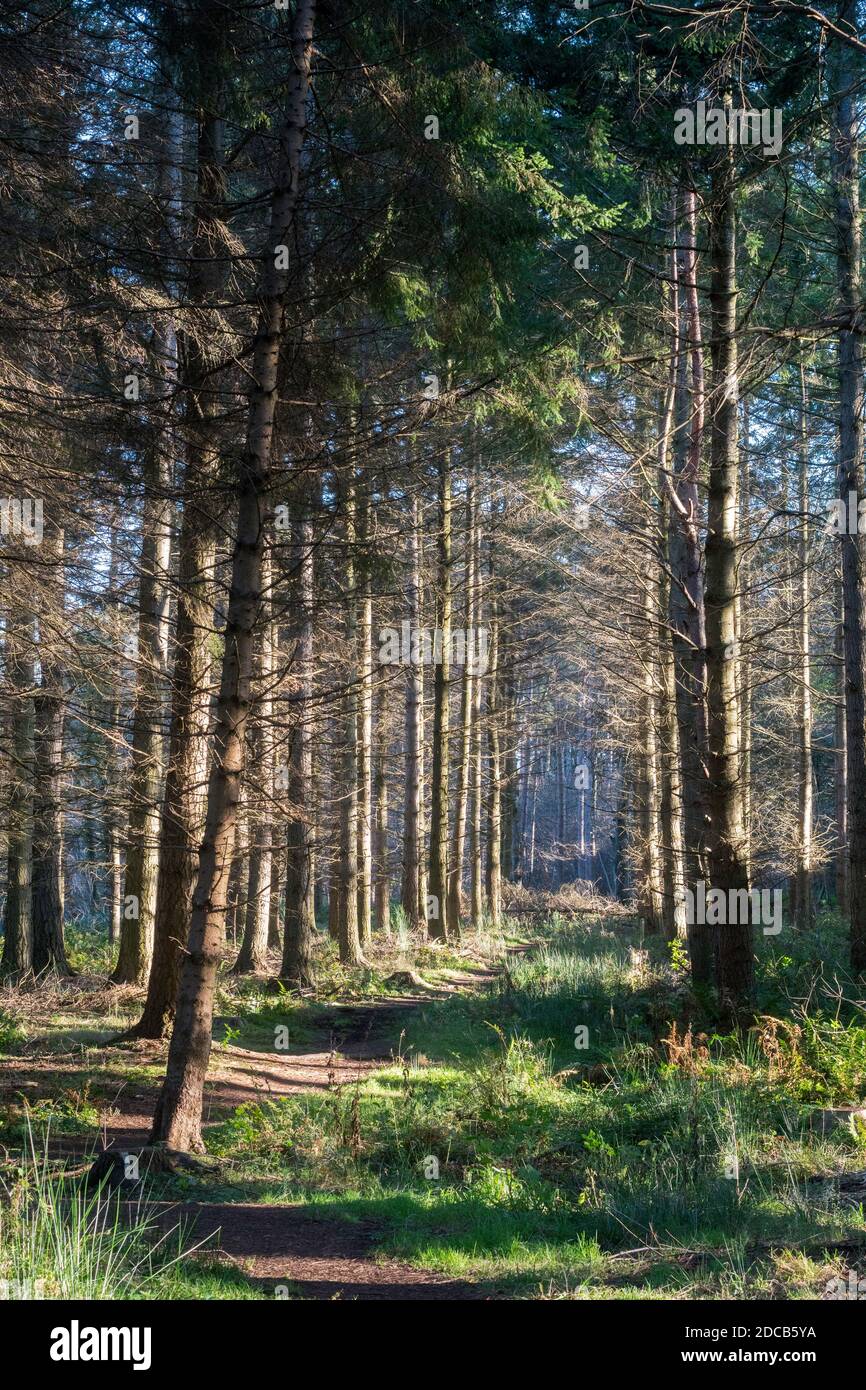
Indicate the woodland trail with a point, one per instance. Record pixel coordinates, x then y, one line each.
293 1253
288 1250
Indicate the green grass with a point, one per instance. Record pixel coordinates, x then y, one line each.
554 1161
665 1158
59 1241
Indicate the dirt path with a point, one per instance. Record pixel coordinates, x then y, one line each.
293 1253
289 1251
362 1039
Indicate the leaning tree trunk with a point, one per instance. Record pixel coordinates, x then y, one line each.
178 1113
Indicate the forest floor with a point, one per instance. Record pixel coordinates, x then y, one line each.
548 1113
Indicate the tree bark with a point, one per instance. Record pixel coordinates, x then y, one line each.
467 704
846 159
350 942
380 792
411 894
476 872
18 924
687 614
494 780
147 772
297 965
840 760
365 719
438 924
805 913
253 955
49 950
727 845
183 808
178 1114
147 769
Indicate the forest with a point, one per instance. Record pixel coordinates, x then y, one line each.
432 650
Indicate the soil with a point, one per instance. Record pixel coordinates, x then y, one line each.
290 1251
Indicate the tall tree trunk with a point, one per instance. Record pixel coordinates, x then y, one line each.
253 955
805 907
476 873
184 797
410 896
147 772
509 751
178 1113
494 781
114 817
533 823
458 843
350 942
727 847
561 796
743 640
673 891
673 914
49 951
380 792
687 613
18 924
365 719
846 159
438 925
276 849
840 759
650 780
297 966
